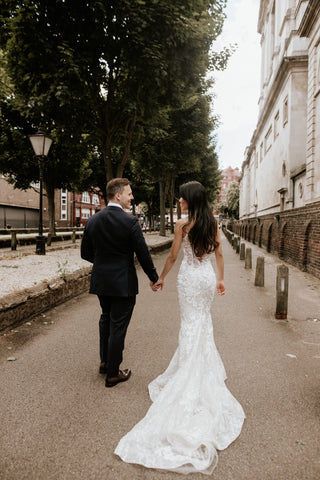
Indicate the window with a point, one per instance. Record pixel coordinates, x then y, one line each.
285 111
95 199
85 213
85 197
276 125
268 140
64 205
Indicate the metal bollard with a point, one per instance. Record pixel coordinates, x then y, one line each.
13 241
282 292
248 259
242 251
49 239
73 236
259 278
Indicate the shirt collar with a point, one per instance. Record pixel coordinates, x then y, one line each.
112 204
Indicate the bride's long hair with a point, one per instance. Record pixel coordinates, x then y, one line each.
203 231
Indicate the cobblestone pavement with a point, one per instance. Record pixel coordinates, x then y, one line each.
23 269
59 422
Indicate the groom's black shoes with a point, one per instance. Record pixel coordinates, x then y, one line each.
122 376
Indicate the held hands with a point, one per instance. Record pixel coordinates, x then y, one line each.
221 288
155 286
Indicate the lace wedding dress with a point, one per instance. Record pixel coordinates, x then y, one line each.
193 414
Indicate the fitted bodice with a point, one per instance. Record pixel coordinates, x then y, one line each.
190 257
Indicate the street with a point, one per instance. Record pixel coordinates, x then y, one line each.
59 422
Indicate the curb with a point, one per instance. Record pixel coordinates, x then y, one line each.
18 307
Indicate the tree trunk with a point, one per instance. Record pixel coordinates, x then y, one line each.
131 123
162 209
51 207
171 204
108 160
178 210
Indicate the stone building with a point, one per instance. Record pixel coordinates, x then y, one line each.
280 178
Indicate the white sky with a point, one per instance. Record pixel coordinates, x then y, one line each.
237 88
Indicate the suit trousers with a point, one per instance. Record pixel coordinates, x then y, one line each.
113 324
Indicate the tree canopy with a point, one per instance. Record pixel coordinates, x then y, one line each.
111 81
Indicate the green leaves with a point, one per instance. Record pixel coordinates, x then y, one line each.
127 77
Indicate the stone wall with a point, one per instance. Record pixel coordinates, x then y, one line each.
20 306
293 235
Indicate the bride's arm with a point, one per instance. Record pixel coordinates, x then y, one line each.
172 257
220 266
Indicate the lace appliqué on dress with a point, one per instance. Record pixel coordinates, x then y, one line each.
193 413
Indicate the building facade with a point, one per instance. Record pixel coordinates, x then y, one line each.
228 175
20 208
85 205
280 178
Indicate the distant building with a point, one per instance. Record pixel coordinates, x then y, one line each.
228 175
84 206
280 178
20 208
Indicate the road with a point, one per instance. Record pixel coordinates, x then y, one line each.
59 422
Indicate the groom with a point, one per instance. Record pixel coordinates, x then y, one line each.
110 239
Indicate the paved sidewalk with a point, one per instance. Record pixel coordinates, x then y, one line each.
59 422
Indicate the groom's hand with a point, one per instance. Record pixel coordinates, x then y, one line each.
153 287
157 285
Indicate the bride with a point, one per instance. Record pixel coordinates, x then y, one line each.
193 414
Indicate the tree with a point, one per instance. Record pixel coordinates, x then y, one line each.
233 194
99 75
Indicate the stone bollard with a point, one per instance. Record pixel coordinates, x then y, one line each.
13 241
234 242
259 279
73 236
242 251
248 259
282 292
238 245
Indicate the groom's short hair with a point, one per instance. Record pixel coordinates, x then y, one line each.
116 185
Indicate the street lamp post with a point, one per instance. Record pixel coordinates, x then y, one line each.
41 145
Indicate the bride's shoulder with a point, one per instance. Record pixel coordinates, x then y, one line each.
181 223
179 226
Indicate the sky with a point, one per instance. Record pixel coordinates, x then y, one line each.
237 88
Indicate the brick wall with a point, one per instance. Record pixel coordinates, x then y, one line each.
293 235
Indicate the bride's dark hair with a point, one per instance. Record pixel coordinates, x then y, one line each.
202 234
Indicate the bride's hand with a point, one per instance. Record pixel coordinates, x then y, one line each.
158 284
221 288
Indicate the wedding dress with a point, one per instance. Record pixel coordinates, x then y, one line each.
193 414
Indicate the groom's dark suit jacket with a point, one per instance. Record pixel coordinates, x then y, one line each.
109 241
